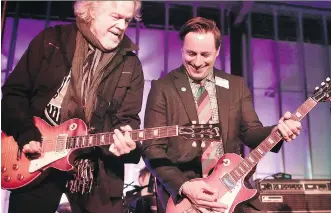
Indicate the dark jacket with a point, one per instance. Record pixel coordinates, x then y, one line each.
39 74
174 160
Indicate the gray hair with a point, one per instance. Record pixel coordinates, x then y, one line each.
82 9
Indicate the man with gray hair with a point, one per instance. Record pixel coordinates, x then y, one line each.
84 70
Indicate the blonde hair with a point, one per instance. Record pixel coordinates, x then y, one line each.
82 9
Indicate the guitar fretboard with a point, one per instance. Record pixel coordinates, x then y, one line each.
102 139
271 141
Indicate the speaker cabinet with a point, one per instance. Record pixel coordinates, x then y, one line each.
285 196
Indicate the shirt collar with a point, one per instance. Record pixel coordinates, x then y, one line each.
209 78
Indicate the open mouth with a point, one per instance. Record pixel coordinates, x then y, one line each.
116 34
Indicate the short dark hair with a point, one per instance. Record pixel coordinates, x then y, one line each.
201 25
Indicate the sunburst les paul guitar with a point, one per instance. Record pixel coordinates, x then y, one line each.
62 144
231 170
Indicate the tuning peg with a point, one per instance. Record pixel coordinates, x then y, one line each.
328 79
316 88
323 83
194 144
203 144
201 135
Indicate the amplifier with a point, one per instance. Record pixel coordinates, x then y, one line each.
295 195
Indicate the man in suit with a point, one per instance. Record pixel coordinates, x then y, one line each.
197 91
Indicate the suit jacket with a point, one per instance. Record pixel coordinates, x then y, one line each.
170 102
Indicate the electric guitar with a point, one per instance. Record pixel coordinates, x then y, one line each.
231 170
62 144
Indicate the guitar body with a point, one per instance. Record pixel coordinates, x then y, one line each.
231 198
18 172
62 144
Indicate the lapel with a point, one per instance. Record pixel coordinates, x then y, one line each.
181 82
118 58
223 95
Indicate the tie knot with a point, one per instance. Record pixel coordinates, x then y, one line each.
201 83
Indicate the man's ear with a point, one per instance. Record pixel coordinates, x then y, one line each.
218 51
92 11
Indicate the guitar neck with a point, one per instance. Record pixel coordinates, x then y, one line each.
102 139
270 142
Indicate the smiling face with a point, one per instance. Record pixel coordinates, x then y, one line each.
110 19
199 54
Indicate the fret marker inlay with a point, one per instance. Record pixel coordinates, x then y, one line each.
271 141
102 139
156 132
298 114
260 151
141 134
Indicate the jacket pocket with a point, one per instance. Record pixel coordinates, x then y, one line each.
125 79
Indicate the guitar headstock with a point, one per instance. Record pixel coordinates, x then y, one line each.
323 93
200 131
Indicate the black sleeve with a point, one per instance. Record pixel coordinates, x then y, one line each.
17 119
251 129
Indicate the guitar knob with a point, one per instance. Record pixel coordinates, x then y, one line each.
15 167
7 178
20 177
3 169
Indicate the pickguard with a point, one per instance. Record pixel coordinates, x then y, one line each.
46 159
229 197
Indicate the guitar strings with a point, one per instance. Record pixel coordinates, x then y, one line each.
72 141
